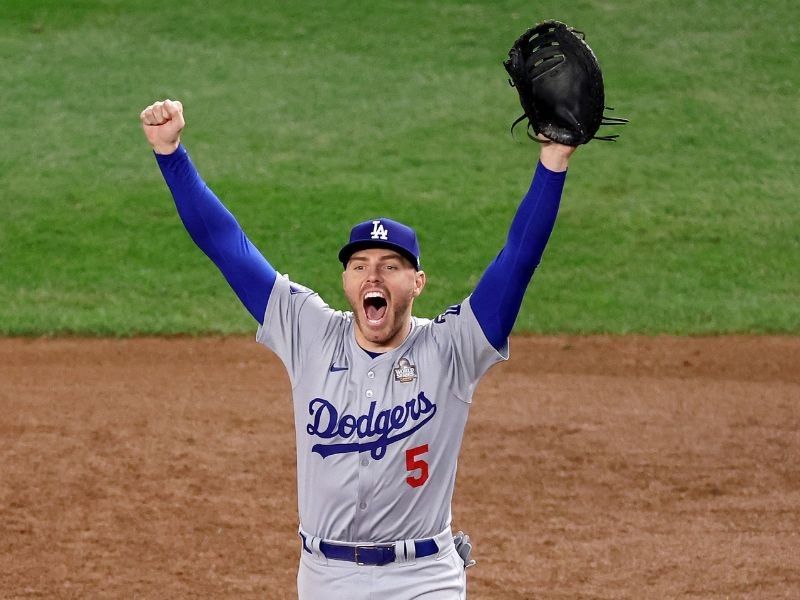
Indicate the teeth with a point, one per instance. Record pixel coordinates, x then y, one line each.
373 295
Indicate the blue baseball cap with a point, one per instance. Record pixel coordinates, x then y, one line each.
382 233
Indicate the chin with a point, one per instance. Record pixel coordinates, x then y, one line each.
379 336
376 336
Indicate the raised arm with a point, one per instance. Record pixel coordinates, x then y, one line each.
498 296
210 225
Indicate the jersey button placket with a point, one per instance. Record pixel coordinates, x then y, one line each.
369 394
364 475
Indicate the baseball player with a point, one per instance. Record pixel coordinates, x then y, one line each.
381 397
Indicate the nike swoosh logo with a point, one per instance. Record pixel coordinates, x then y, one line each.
334 368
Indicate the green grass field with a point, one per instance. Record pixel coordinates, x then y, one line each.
307 117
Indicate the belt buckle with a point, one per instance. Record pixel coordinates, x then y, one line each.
356 557
375 547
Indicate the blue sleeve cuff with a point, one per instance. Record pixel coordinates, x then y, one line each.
167 159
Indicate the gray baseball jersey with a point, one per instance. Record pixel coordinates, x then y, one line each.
377 438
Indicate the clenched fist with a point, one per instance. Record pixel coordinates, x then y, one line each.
162 123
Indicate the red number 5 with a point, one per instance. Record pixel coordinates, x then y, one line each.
413 463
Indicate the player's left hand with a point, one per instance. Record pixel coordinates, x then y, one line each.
559 83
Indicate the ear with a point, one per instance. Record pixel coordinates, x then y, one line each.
419 283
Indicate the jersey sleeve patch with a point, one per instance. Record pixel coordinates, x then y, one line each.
455 310
463 348
295 288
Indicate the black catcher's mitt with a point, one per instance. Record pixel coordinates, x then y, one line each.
560 84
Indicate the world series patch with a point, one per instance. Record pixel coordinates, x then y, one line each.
405 372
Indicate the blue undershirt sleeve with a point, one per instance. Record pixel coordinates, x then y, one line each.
498 296
217 233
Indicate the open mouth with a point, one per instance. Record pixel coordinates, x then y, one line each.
375 306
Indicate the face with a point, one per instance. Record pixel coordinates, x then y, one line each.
381 286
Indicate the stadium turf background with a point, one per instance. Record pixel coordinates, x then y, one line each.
307 117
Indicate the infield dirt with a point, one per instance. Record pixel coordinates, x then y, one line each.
598 467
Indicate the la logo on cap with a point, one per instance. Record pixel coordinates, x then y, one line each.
382 232
379 232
